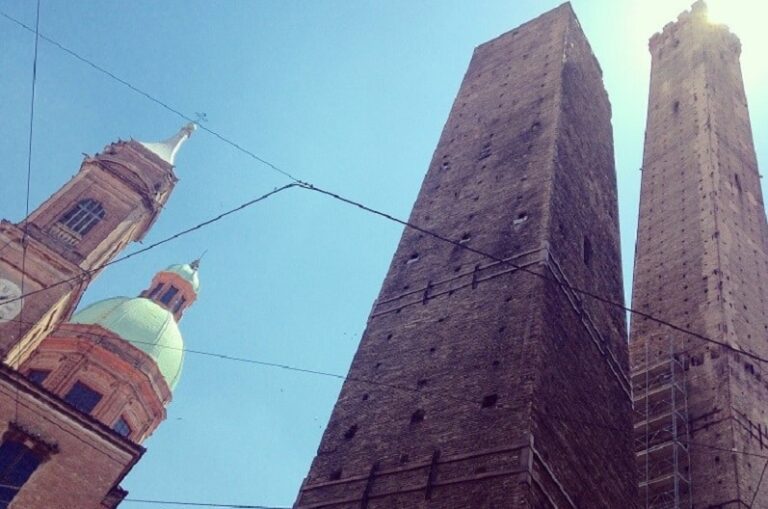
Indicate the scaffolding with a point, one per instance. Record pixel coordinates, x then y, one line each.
661 432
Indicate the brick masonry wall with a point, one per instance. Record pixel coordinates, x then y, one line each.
44 268
465 354
584 408
701 251
132 386
87 460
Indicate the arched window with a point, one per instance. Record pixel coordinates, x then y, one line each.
155 290
169 294
83 217
179 304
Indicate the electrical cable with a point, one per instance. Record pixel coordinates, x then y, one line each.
200 504
444 395
759 483
245 360
171 502
150 97
182 233
586 293
350 202
29 178
309 186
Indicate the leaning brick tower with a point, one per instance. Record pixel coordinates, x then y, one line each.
701 264
483 372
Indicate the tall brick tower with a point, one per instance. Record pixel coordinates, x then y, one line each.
701 263
481 372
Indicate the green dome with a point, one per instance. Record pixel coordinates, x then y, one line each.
145 325
188 273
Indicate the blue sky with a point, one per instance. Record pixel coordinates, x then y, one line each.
349 95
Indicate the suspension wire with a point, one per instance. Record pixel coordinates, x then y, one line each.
309 186
208 222
337 197
427 393
199 504
510 263
171 502
151 98
29 184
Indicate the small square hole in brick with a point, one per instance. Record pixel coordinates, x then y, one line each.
417 416
490 400
335 475
351 432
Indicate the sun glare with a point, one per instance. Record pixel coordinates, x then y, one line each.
746 19
740 15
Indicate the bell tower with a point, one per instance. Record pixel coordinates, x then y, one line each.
53 254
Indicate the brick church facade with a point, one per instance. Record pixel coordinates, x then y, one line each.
80 392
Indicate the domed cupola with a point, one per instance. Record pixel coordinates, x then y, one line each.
129 354
175 288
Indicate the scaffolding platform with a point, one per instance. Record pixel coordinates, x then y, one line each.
661 433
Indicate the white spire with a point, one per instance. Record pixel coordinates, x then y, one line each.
167 149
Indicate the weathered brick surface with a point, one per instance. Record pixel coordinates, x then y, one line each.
524 171
133 387
701 252
86 460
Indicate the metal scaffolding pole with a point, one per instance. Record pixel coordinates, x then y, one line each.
661 431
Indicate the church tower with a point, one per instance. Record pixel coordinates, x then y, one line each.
474 374
52 255
72 419
78 394
701 264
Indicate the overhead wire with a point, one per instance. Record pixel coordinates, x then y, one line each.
25 227
336 196
199 504
150 97
510 263
264 363
443 395
759 483
170 502
154 245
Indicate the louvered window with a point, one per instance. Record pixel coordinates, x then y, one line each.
83 217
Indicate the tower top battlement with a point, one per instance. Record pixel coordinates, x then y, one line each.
696 17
